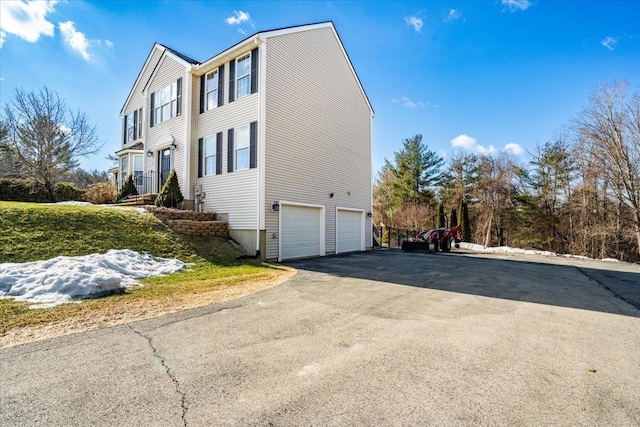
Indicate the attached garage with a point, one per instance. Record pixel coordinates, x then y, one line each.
349 230
301 231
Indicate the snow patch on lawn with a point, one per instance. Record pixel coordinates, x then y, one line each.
61 279
507 249
75 203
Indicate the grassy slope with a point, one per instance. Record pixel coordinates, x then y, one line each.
31 232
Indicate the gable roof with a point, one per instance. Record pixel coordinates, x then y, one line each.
263 35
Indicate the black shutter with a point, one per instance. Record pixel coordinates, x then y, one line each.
254 70
200 158
230 150
232 80
253 130
124 130
140 123
152 113
202 83
179 97
218 153
135 124
221 85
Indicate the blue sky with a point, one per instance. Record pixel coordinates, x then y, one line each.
480 76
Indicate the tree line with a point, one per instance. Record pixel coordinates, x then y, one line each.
577 193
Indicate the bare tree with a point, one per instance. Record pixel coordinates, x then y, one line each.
46 137
609 128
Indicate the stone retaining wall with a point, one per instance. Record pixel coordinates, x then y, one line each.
199 228
191 222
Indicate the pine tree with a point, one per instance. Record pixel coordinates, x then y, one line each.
454 218
464 220
170 195
128 189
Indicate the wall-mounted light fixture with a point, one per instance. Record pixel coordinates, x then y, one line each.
149 153
174 146
275 206
369 214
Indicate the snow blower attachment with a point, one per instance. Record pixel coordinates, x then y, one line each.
434 240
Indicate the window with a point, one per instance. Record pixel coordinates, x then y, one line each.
211 90
209 155
242 148
140 123
243 75
137 170
130 127
124 167
165 103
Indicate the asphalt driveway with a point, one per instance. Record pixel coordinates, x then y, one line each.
383 338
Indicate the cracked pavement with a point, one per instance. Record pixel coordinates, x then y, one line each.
383 338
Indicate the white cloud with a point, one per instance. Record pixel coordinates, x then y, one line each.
75 39
3 36
513 5
514 148
241 31
470 144
454 15
26 20
109 44
238 17
415 22
609 42
406 102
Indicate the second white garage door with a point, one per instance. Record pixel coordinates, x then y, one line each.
301 231
349 231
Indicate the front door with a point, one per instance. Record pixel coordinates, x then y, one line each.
165 166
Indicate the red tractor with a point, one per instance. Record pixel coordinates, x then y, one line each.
438 239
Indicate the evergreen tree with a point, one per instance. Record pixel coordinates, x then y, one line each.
416 169
441 217
464 220
128 189
454 218
170 195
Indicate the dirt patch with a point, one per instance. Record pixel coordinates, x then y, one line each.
138 310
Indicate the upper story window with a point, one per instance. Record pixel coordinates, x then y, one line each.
211 90
242 148
132 126
209 153
166 102
243 75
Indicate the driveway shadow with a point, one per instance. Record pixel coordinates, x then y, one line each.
585 285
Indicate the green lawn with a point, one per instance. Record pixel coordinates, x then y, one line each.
31 232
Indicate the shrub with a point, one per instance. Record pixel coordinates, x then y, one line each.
170 195
22 190
65 191
128 189
100 193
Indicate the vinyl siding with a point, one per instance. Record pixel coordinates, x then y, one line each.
137 99
318 131
168 72
232 193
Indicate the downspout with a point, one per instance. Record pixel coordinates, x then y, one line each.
262 94
187 135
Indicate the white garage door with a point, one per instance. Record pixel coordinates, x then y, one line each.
349 233
300 232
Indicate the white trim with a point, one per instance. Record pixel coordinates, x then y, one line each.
228 55
261 140
306 205
363 221
186 113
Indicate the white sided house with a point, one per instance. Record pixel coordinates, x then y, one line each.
273 133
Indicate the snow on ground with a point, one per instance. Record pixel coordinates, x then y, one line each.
75 203
62 279
507 249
